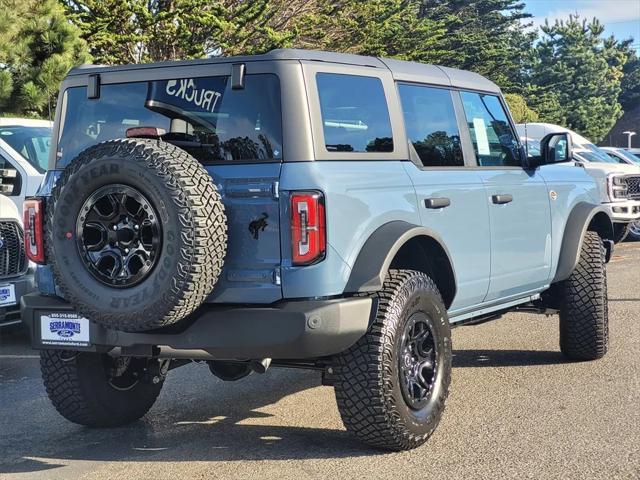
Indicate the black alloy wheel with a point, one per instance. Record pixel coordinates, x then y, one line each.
417 362
118 235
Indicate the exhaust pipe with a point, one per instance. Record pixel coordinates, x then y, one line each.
260 366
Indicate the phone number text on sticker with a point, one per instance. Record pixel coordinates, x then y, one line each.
64 329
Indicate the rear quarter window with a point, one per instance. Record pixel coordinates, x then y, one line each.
355 117
30 142
204 116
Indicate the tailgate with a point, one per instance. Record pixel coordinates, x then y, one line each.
251 272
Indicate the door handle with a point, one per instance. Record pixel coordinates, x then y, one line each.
502 198
437 202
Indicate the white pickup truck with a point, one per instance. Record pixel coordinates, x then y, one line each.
619 183
16 277
24 155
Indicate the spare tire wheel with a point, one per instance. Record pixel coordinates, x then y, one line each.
136 234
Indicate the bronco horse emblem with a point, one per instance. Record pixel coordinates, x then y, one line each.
258 225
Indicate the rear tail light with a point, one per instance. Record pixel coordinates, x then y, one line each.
308 232
33 232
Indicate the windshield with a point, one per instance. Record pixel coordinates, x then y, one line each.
204 116
32 143
628 155
591 153
532 147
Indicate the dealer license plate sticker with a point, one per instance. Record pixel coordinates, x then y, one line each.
64 328
7 295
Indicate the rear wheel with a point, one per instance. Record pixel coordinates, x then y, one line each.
391 386
584 310
97 390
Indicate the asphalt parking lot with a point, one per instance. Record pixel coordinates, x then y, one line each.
517 409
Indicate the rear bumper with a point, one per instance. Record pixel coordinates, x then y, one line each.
10 314
286 330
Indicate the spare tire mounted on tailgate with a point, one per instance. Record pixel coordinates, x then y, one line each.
139 232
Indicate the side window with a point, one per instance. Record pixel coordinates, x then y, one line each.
431 125
493 139
354 112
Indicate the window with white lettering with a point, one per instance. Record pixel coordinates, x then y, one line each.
204 116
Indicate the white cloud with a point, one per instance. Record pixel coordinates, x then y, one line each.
607 11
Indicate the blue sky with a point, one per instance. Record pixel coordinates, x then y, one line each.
620 17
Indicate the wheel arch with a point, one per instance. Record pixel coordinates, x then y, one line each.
583 218
394 245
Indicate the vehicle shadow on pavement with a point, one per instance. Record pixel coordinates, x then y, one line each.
215 421
506 358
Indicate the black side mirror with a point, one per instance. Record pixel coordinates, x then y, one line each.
556 148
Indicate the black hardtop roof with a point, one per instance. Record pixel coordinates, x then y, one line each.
401 70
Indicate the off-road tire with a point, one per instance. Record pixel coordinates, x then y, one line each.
620 232
634 231
193 223
78 387
584 309
367 376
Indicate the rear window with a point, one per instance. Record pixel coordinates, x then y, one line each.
205 116
354 112
30 142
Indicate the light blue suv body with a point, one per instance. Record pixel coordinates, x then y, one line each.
419 167
304 210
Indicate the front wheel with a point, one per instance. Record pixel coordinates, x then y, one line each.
391 386
98 390
584 310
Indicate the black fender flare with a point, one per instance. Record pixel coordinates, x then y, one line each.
377 253
580 218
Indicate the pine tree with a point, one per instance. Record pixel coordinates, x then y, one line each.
630 95
576 77
137 31
388 28
520 111
38 46
485 36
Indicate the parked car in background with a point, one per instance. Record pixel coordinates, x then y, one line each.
622 155
619 182
16 276
24 155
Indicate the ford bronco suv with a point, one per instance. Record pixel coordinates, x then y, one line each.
299 209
